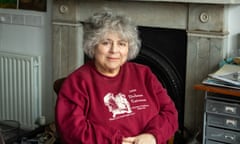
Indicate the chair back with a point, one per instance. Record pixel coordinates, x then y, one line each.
57 85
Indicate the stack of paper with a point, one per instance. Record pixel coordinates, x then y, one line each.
227 76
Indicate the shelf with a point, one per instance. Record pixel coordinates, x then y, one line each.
220 90
194 1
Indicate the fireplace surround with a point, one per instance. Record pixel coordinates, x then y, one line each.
204 22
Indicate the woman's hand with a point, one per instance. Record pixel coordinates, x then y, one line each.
140 139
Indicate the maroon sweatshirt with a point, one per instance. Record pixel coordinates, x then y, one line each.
95 109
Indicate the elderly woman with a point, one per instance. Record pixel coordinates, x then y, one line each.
110 100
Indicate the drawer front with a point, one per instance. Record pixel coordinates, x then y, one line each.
222 135
219 107
223 121
212 142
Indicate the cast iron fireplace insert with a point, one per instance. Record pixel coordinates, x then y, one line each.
164 51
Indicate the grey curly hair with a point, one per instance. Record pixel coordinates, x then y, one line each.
100 23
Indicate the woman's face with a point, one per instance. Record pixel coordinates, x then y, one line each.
110 54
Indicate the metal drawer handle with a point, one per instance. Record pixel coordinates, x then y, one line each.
231 122
229 137
230 109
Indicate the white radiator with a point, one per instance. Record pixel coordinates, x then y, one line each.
20 88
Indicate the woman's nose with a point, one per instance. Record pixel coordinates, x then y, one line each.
114 48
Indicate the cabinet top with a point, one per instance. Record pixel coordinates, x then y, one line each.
215 89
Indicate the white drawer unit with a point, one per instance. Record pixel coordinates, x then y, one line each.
221 119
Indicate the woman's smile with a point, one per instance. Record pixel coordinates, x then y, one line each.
113 58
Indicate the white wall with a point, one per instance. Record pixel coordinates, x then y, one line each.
31 38
234 31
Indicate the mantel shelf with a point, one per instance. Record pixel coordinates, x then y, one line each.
194 1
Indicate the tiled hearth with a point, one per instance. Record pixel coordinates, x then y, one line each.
205 22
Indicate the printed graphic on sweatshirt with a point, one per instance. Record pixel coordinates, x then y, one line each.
139 101
119 105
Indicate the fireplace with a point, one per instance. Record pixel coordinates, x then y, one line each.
164 51
200 27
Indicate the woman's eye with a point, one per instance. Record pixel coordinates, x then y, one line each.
122 44
105 43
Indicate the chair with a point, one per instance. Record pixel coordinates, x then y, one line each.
57 84
56 87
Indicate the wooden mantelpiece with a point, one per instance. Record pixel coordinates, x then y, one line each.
221 90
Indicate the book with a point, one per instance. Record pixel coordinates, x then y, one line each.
228 73
220 83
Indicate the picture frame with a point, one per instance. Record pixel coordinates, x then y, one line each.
36 5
